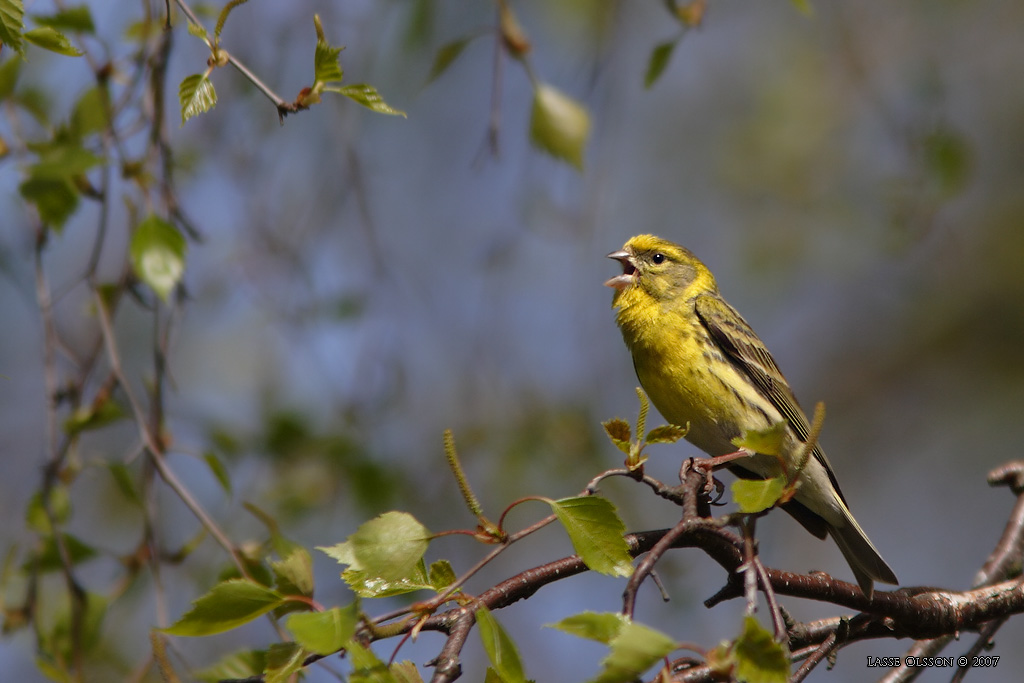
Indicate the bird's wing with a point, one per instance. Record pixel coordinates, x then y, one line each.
742 347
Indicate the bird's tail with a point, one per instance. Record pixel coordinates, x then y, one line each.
862 556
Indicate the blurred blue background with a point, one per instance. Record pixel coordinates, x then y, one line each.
853 178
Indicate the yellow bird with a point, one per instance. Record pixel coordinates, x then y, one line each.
702 365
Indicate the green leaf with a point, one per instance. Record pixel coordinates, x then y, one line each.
366 666
659 59
767 441
55 200
9 70
125 482
77 18
92 417
441 575
294 574
759 658
228 605
596 533
499 648
157 252
238 665
559 125
324 632
52 40
634 648
59 641
367 96
755 495
619 431
446 54
666 434
947 160
326 66
366 585
388 548
90 114
12 14
62 160
48 558
219 471
283 661
60 507
803 6
599 626
406 672
196 95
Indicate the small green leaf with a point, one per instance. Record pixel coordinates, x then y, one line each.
294 574
767 441
446 54
599 626
500 648
596 533
389 546
283 661
367 585
219 471
9 70
49 558
52 40
666 434
77 18
196 95
441 575
36 516
326 66
759 658
634 648
55 200
659 59
62 160
89 417
755 495
367 96
324 632
947 159
366 666
12 14
228 605
90 114
803 6
406 672
125 482
385 556
559 125
619 431
238 665
157 252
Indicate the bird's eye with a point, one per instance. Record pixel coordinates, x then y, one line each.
658 258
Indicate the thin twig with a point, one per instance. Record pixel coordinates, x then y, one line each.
153 444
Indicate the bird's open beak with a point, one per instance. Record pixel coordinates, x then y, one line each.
628 276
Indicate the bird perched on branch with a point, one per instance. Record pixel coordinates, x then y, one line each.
703 366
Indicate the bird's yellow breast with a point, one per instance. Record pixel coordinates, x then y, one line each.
688 378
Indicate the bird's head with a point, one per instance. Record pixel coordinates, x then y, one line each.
654 269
